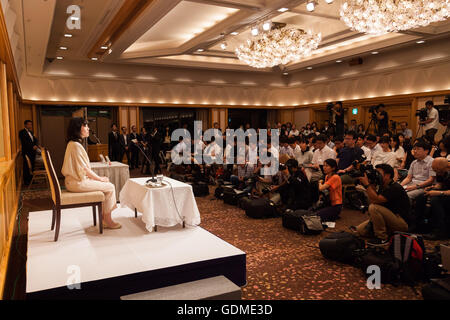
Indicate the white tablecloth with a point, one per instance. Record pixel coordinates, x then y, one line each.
118 173
165 207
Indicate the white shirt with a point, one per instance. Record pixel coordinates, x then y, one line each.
294 132
432 114
380 157
287 150
252 155
399 154
321 155
31 136
275 153
213 148
369 153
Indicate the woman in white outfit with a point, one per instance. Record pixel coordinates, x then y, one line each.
78 174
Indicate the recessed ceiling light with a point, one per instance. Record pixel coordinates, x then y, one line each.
223 46
329 1
255 31
420 41
375 52
63 48
338 61
200 50
311 5
59 58
285 73
234 33
104 47
68 35
267 25
283 9
94 59
309 68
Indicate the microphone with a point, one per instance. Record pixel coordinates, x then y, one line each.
153 179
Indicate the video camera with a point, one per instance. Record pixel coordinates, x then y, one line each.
330 106
374 110
359 169
422 114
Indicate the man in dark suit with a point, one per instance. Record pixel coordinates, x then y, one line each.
124 145
134 140
156 148
114 144
30 145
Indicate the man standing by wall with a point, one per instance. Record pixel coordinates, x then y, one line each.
114 144
30 145
432 123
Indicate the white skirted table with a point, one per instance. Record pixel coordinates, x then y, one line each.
167 206
118 173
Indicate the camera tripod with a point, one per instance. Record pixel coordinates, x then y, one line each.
420 128
374 122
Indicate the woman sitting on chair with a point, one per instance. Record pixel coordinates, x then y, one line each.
78 174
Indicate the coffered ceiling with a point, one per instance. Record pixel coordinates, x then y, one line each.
188 35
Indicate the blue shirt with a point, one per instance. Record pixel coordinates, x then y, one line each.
347 155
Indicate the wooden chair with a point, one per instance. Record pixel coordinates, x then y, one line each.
67 200
37 174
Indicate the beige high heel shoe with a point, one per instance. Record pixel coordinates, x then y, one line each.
115 226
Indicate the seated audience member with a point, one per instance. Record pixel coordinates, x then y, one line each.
347 156
245 171
303 155
327 130
420 174
338 144
280 179
407 133
252 153
297 184
389 208
398 151
330 142
285 148
438 197
321 153
371 147
361 129
409 153
353 126
311 143
264 180
441 151
385 155
334 186
294 132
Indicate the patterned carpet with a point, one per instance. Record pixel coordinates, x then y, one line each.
281 264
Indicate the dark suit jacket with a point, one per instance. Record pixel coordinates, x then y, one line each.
133 136
122 142
156 143
27 143
113 142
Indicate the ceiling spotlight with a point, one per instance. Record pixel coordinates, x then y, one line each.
200 50
223 46
311 5
68 35
234 33
309 68
329 1
267 26
420 41
94 59
255 31
109 51
63 48
375 52
285 73
104 47
338 61
59 58
283 10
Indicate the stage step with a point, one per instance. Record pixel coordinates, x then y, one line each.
216 288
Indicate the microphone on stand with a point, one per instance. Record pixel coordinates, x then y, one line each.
96 138
153 179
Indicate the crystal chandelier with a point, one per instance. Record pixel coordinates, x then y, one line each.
382 16
280 45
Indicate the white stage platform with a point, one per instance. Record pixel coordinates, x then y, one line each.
123 261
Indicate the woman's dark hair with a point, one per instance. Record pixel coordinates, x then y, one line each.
74 129
332 163
397 142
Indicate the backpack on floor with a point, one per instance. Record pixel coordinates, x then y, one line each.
408 250
200 189
303 221
389 267
341 246
261 208
218 193
231 196
356 200
244 202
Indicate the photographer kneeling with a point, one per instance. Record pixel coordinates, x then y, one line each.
334 186
389 209
296 192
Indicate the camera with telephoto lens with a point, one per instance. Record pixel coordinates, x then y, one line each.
373 111
422 114
330 106
359 169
